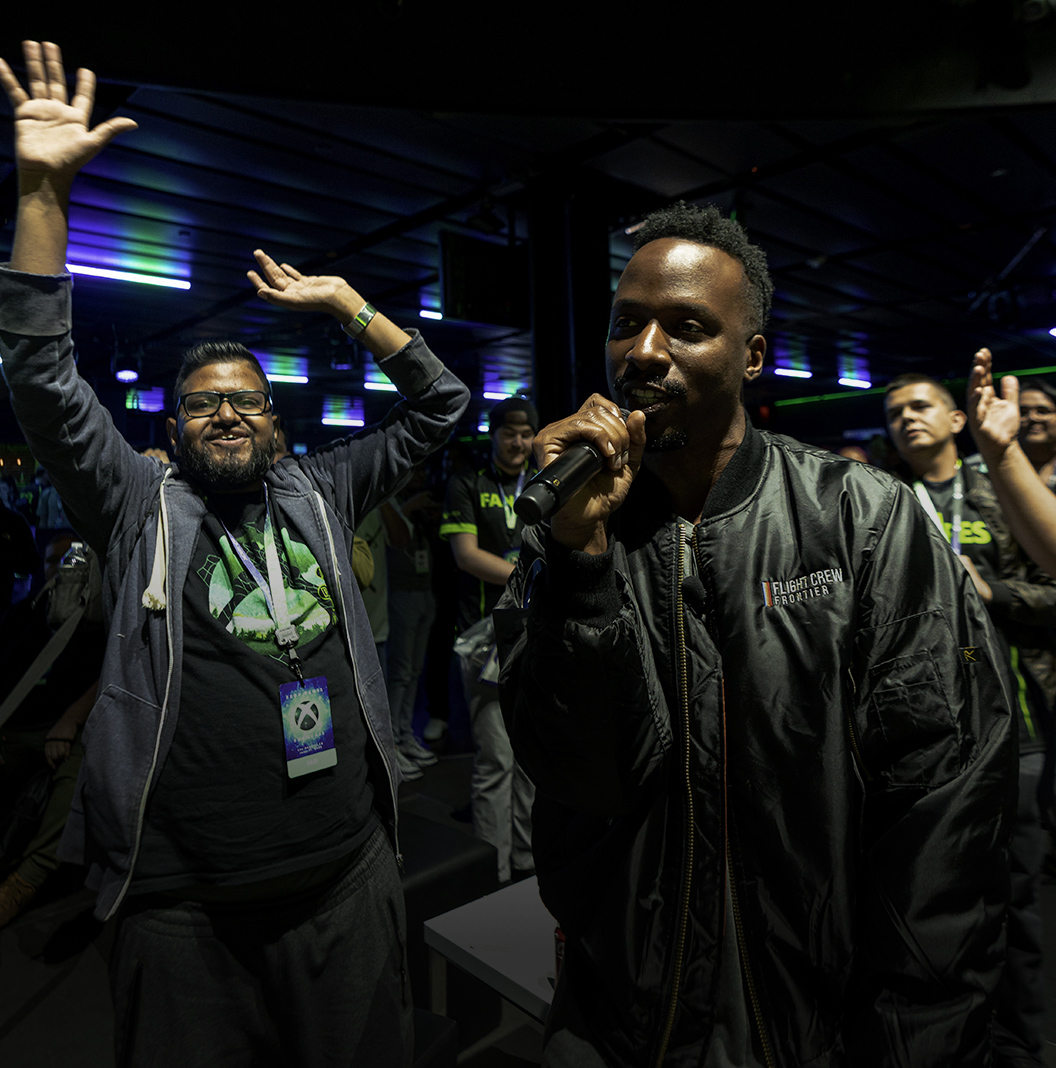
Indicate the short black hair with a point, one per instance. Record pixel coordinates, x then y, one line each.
708 226
912 378
206 352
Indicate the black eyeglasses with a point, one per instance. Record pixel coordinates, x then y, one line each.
244 401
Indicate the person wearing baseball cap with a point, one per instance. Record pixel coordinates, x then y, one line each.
485 537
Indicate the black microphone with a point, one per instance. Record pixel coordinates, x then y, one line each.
556 484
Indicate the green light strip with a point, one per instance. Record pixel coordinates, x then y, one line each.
1028 371
949 383
843 395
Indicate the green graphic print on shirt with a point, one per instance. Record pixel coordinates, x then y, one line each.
236 601
972 533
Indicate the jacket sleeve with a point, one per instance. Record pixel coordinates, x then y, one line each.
932 733
587 718
1024 594
359 472
96 472
1029 598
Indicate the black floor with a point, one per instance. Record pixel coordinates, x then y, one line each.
54 999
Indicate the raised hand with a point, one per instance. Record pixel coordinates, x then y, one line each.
285 286
992 419
53 140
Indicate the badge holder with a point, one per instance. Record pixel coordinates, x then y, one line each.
307 723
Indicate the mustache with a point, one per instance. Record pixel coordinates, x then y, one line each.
632 377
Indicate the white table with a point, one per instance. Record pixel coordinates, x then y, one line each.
505 939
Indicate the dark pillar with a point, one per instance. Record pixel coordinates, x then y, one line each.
569 242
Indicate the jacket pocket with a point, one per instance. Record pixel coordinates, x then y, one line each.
119 744
911 734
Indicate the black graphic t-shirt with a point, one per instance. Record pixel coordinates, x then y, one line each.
977 543
224 811
482 504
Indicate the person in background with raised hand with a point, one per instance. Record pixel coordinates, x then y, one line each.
237 799
994 420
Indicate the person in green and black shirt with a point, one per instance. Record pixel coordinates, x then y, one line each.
923 422
485 537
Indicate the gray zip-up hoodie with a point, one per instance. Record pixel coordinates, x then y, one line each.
144 518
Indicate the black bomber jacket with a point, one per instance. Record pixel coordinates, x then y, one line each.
822 704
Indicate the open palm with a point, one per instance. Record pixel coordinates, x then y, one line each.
285 286
51 134
992 418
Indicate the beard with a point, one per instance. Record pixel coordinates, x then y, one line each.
226 474
657 440
667 440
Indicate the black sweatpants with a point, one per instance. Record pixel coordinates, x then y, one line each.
320 981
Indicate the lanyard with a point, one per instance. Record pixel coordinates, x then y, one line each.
507 502
273 591
928 505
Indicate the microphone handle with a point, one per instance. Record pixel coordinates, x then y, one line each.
552 488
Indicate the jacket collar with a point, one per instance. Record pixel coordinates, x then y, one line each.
740 476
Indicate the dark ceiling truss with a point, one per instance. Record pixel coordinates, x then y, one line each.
881 232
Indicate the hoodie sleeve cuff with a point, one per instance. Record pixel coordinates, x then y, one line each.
412 369
35 305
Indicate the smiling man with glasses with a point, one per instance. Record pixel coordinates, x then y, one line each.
223 433
237 800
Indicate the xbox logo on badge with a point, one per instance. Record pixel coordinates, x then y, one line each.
306 715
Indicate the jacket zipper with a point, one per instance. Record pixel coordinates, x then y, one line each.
746 968
687 864
688 853
856 751
163 532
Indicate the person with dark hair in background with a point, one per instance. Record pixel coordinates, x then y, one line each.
1037 428
485 537
996 423
765 714
924 421
237 799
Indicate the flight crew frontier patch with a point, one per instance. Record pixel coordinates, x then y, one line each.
778 592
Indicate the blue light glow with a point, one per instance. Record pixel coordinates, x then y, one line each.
856 383
145 400
342 411
375 378
792 372
128 276
284 368
428 313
